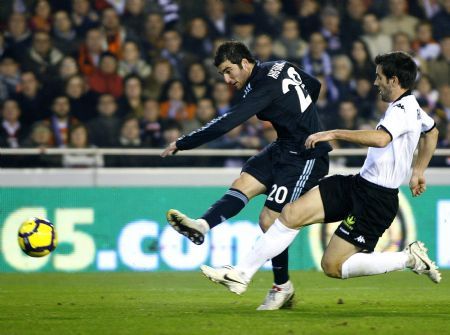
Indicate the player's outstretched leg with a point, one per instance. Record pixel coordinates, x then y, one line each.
193 229
227 276
422 264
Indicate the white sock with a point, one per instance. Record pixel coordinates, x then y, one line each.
362 264
277 238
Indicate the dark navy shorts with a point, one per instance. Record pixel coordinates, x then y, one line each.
285 173
365 209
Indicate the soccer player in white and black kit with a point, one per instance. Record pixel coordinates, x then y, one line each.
285 95
367 202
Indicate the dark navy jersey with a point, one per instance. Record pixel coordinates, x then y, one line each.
278 92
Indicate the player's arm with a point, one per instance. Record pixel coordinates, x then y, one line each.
426 147
256 101
378 138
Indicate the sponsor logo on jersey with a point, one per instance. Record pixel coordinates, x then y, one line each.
275 70
400 106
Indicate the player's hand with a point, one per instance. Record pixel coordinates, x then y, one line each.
417 185
170 150
322 136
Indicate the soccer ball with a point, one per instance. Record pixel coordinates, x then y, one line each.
37 237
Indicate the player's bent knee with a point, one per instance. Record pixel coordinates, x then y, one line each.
289 217
331 268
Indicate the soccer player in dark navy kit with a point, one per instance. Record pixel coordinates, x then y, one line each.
283 94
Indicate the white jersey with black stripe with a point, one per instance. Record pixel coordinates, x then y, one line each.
404 120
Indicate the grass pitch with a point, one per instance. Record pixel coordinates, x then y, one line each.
187 303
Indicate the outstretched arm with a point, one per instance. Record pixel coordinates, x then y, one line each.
426 147
371 138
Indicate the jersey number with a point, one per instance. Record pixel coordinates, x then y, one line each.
280 194
294 79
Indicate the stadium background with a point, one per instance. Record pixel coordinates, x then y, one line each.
136 74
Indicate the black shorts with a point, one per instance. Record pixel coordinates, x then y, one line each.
285 173
365 209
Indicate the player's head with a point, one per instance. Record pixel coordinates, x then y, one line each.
235 62
395 71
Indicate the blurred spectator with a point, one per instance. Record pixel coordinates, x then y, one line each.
401 42
217 19
129 138
176 102
104 129
270 18
317 61
134 16
12 131
347 119
439 69
205 111
326 108
151 124
17 35
79 139
360 57
64 35
426 91
162 72
115 34
222 97
90 51
42 58
106 79
170 10
41 16
40 137
230 140
341 84
67 68
243 28
330 20
151 38
363 97
197 81
263 48
441 21
377 42
398 19
441 114
83 17
32 99
352 20
132 101
173 52
309 17
61 121
81 100
9 77
289 45
424 45
131 62
197 40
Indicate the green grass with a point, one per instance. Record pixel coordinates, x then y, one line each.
186 303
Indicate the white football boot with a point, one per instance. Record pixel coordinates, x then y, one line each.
193 229
227 276
422 264
279 296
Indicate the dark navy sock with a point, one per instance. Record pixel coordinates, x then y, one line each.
280 267
228 206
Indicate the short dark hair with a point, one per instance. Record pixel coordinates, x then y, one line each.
234 52
400 65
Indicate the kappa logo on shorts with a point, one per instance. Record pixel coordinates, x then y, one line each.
349 221
360 239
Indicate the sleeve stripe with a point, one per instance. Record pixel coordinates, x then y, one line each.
381 127
427 131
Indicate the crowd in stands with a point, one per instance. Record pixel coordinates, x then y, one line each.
140 73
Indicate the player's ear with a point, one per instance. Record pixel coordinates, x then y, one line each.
245 63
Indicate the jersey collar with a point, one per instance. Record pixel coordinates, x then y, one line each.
408 92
